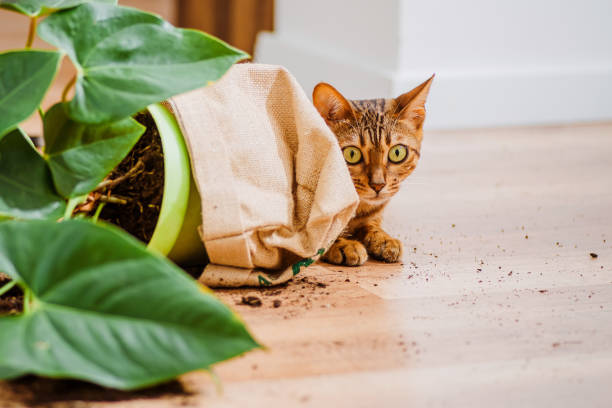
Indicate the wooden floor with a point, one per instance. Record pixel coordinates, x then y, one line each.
497 303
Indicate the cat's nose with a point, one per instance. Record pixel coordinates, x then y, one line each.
377 186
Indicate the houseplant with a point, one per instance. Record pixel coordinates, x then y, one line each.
97 303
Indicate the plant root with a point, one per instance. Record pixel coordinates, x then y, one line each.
113 199
139 180
110 183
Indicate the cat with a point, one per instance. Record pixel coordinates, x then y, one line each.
381 143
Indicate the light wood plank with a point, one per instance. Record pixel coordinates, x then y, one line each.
532 327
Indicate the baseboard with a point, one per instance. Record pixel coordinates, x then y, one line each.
459 99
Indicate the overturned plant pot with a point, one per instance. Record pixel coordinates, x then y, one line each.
277 189
152 195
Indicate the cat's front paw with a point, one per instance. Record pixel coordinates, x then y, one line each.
346 252
381 246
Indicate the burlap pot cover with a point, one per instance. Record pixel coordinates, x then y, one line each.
274 187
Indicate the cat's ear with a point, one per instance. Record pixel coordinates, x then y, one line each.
411 105
331 104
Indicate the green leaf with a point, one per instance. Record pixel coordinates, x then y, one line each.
25 77
26 188
107 310
35 8
128 59
81 155
10 373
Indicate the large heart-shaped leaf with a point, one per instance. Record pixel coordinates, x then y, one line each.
81 155
128 59
10 373
26 188
25 77
35 8
107 310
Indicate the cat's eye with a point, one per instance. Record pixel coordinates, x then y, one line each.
352 155
398 153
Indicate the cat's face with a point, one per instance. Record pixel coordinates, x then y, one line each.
380 138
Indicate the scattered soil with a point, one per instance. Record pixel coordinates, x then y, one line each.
33 391
292 298
253 301
142 189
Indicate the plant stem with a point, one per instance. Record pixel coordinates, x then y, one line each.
216 380
98 211
67 88
69 209
27 295
42 117
31 32
7 287
72 203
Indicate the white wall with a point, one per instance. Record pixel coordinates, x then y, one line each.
489 35
340 28
497 62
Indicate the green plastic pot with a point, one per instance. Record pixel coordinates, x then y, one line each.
175 234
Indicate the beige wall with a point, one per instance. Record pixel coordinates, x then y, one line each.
13 34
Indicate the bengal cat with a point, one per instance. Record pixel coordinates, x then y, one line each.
381 141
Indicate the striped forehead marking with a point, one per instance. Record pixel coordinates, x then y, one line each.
373 117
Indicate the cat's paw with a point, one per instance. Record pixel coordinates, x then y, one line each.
381 246
346 252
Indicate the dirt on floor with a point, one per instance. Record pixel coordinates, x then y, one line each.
32 391
290 298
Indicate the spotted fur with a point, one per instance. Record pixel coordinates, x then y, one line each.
374 126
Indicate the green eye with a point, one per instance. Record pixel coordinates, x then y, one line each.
352 155
397 153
